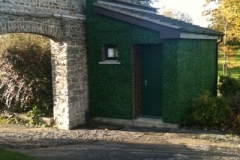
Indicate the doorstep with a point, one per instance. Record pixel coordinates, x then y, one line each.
151 122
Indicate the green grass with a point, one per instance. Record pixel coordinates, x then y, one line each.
9 155
235 71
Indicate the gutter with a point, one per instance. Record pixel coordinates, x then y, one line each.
221 40
216 80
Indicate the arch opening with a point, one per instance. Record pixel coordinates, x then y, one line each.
26 74
68 61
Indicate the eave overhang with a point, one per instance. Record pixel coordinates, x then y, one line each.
166 30
198 36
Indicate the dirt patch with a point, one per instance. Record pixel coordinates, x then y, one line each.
190 143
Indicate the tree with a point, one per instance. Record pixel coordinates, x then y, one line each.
145 2
167 12
225 18
176 15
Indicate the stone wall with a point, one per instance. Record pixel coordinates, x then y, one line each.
66 5
62 21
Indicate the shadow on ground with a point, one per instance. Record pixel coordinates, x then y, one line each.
105 126
92 149
98 150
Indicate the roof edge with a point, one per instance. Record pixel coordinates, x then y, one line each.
97 5
198 36
166 30
128 5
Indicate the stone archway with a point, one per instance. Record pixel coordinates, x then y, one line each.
64 24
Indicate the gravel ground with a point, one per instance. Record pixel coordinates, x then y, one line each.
114 142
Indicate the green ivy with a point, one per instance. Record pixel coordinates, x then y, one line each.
189 68
110 86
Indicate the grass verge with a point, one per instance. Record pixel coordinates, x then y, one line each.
9 155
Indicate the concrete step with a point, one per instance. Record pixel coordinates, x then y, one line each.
152 122
155 122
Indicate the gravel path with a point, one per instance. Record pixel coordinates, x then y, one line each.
129 143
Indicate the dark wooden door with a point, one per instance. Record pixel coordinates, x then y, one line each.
152 79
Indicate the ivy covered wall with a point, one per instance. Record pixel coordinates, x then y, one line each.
197 70
110 86
170 81
189 68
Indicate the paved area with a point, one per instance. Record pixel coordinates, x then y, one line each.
116 143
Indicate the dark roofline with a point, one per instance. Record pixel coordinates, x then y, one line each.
165 32
129 4
167 27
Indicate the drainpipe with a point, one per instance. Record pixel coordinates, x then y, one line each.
216 81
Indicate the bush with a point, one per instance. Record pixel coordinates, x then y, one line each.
207 111
25 67
234 103
229 86
234 119
224 111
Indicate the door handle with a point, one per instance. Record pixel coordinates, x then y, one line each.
146 82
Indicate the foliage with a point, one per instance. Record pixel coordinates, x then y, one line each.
229 86
225 18
144 1
167 12
234 103
9 155
176 15
207 111
13 120
35 112
234 119
222 111
25 67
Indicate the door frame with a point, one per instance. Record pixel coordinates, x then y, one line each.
137 78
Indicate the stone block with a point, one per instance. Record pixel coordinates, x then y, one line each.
46 120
